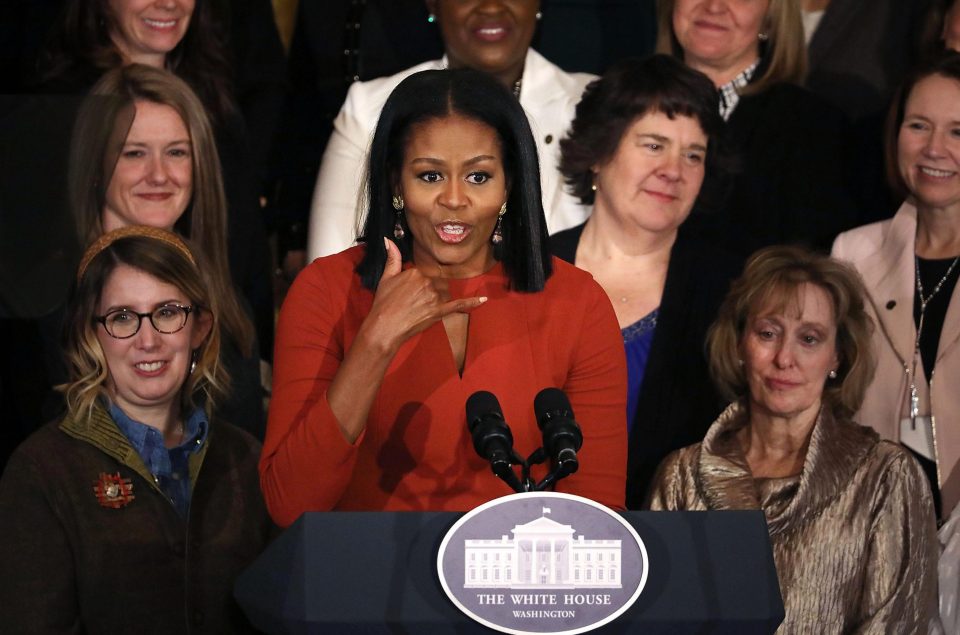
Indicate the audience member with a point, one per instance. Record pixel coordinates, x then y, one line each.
640 144
791 186
143 153
910 266
187 38
451 291
493 37
850 517
137 509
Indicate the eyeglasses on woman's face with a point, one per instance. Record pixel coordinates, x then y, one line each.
124 323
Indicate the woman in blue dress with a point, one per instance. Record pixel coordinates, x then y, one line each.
644 136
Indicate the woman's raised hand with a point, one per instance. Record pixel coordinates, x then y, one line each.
408 302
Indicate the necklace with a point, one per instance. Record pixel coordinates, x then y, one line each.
914 397
936 289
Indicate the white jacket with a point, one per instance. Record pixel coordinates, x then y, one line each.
884 253
549 96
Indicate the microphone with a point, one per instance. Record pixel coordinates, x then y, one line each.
561 434
491 435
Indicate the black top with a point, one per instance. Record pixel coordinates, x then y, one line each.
789 183
678 401
931 273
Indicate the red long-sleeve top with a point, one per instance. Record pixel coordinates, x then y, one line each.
416 452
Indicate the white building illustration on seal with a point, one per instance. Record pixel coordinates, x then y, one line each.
543 554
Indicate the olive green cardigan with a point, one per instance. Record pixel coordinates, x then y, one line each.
81 552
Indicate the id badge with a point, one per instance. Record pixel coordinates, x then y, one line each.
919 437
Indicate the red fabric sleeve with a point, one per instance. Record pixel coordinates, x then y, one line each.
306 462
597 387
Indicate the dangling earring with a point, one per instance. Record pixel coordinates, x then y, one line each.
593 186
497 237
193 361
431 18
397 201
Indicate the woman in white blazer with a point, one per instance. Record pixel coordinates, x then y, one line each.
910 265
493 37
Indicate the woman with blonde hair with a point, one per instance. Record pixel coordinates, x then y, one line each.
143 153
850 516
136 510
791 185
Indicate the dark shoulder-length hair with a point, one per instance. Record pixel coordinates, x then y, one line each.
81 40
436 94
946 64
630 89
772 280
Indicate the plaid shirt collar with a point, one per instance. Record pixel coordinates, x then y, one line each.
730 92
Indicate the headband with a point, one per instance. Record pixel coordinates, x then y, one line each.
140 231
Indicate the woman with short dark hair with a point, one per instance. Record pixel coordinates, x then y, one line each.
452 291
645 136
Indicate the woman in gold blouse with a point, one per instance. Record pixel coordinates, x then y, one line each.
850 516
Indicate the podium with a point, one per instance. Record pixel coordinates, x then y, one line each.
376 572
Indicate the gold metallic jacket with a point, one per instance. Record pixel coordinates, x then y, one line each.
854 536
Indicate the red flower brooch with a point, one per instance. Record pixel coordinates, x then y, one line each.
113 491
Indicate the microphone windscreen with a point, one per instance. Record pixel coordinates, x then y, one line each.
482 403
552 400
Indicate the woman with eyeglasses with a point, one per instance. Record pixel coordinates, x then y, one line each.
143 153
137 509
